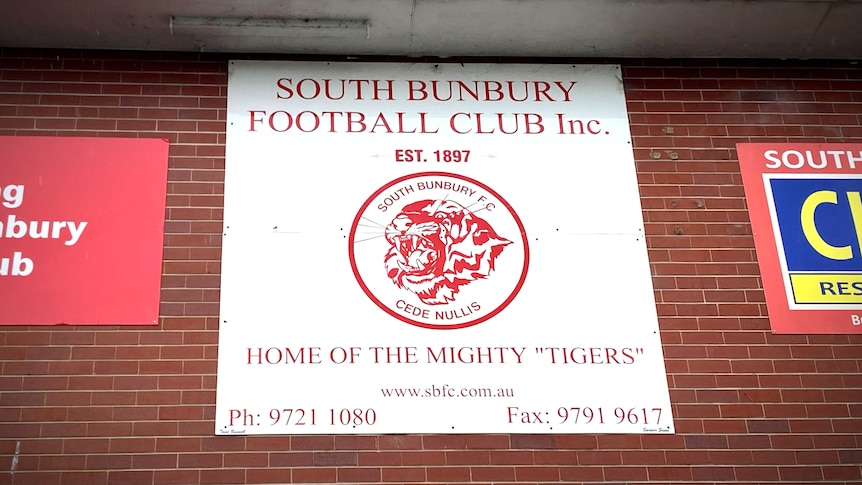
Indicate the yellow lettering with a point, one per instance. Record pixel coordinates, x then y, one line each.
856 213
810 229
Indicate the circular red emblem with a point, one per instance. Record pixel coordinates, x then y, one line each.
439 250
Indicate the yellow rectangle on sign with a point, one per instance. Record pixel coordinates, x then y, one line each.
827 288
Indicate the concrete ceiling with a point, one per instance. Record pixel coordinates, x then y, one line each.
794 29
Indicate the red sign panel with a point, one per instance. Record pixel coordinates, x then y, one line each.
806 213
81 230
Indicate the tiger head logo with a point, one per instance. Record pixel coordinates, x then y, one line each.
437 246
420 244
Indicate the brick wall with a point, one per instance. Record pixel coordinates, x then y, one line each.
126 406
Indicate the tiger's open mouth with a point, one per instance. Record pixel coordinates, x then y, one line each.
418 252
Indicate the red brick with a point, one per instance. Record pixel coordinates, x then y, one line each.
403 475
315 475
608 457
176 477
379 458
845 472
108 461
555 457
245 460
133 382
768 426
582 474
181 413
800 473
358 475
532 441
748 442
200 460
465 458
108 429
642 457
668 473
312 443
225 476
158 397
268 475
757 473
178 444
154 461
154 428
335 459
423 458
441 442
537 474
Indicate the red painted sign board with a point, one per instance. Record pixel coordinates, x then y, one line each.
806 213
81 230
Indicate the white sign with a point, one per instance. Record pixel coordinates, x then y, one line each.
434 248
